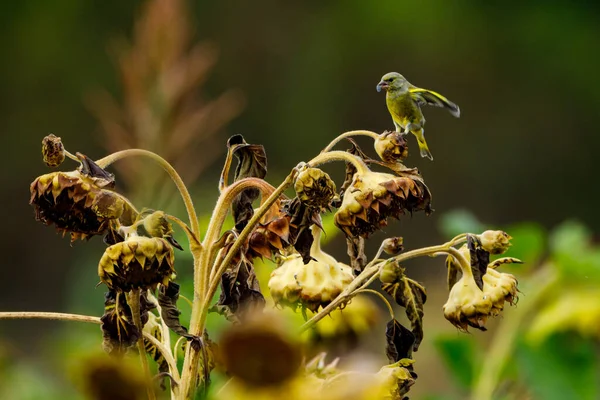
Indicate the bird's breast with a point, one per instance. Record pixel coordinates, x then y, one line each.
404 110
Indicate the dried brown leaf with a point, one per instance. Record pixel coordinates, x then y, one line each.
479 259
167 300
399 341
411 295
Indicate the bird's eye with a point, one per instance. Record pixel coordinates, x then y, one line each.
389 79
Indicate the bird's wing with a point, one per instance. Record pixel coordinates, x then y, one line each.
431 98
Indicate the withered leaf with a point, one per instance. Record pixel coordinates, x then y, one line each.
356 252
112 237
399 341
252 162
167 300
240 292
90 168
302 217
209 359
411 295
479 259
118 329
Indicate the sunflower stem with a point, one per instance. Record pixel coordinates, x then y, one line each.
133 300
368 275
345 135
173 174
87 319
330 156
203 293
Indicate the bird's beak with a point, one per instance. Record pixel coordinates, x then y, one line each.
172 240
382 85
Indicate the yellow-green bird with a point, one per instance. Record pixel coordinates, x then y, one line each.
404 102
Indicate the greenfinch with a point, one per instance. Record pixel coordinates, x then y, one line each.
404 103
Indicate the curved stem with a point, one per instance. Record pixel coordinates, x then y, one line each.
177 347
382 297
345 135
266 205
133 300
331 156
173 371
462 261
183 191
188 231
369 275
202 299
49 315
503 342
87 319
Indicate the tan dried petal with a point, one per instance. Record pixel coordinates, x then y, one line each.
373 197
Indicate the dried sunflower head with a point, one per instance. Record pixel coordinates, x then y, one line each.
467 305
315 188
53 151
391 146
119 332
470 306
500 287
137 262
309 285
495 242
372 197
80 202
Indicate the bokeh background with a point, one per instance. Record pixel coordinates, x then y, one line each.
179 77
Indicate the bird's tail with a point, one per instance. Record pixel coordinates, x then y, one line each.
424 149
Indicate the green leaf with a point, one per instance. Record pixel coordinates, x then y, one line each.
459 221
573 255
459 356
570 237
528 243
564 367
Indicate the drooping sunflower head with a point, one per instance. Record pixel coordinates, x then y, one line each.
137 262
373 197
79 202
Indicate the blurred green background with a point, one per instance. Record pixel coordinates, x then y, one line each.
292 76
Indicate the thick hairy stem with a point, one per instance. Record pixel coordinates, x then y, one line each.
347 135
183 190
133 300
331 156
203 295
504 339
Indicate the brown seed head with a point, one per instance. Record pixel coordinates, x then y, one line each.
495 242
75 203
315 188
53 151
391 147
